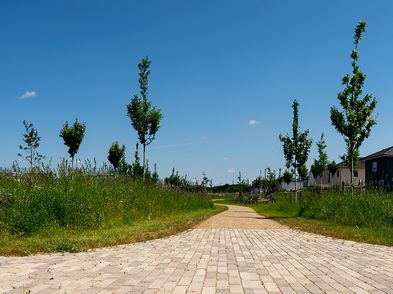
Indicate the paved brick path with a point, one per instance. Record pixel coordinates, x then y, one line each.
210 260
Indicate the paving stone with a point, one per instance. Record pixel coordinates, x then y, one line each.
255 258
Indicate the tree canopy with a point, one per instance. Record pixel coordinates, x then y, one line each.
73 136
116 154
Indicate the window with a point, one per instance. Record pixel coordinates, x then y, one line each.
338 174
355 173
374 166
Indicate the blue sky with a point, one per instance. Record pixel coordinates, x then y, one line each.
216 66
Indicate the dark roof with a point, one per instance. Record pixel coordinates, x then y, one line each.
362 163
387 152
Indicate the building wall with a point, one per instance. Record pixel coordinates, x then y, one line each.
382 176
344 176
317 181
291 186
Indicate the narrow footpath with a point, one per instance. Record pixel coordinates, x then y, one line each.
237 251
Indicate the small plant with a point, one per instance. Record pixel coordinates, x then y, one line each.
320 165
65 247
73 137
174 180
32 141
155 177
116 155
205 182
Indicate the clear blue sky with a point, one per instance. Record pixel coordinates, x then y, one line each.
216 65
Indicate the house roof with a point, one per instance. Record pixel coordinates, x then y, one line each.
361 164
387 152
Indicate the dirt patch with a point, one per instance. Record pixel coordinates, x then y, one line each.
240 217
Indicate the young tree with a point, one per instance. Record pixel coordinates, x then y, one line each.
116 155
332 167
320 164
271 178
205 181
303 172
355 121
297 147
315 171
145 118
136 167
32 140
287 177
73 136
155 177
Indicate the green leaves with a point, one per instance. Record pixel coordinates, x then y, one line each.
73 136
116 154
287 177
360 28
319 166
32 141
145 119
355 120
297 148
332 167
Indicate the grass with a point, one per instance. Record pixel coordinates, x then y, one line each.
55 211
364 218
72 240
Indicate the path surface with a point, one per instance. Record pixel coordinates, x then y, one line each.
246 254
239 217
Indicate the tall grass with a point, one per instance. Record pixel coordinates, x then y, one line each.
368 209
85 199
365 209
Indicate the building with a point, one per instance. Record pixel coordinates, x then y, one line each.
379 169
341 178
292 186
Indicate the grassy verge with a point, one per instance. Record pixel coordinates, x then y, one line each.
292 215
63 211
382 235
74 240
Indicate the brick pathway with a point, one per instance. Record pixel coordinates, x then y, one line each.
210 260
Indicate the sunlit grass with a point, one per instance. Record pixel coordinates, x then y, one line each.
363 217
73 240
83 210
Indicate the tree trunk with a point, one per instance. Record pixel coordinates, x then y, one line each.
295 182
72 167
352 175
31 159
144 162
321 185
